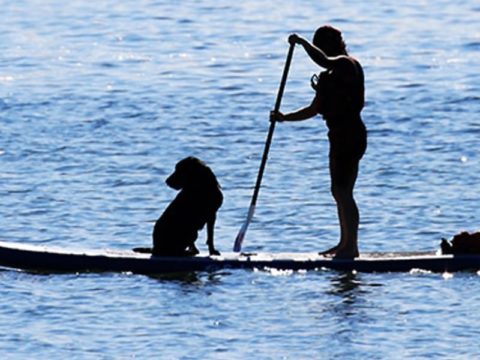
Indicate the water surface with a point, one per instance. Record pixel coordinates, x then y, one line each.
99 100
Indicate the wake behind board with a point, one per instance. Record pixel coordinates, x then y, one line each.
46 259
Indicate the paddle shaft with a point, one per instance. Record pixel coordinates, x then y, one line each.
241 235
272 126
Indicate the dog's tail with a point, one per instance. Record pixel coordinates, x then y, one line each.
143 250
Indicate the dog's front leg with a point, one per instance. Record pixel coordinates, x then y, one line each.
210 241
192 250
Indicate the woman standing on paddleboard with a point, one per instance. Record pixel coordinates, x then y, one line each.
339 98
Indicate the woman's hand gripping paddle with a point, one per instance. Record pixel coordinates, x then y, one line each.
237 247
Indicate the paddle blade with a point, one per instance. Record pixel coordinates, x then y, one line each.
237 246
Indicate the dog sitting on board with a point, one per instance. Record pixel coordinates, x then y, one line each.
195 206
463 243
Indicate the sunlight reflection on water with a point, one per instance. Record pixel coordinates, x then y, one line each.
98 102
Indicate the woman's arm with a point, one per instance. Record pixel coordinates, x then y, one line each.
316 54
299 115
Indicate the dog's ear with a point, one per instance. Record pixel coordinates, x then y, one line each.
200 174
205 176
184 174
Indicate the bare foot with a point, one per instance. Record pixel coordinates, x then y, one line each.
344 253
340 252
330 252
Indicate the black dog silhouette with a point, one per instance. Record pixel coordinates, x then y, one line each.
195 205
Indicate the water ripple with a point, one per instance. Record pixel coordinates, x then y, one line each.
98 102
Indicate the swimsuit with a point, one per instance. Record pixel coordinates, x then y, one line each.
340 104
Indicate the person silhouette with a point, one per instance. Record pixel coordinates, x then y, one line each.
339 98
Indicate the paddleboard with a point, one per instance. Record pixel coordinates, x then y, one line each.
46 259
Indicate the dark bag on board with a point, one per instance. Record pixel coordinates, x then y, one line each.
462 243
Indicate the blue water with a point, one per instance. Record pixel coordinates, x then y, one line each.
100 99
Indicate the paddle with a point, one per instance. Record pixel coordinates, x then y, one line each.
237 247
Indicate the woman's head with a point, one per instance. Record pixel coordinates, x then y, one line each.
330 41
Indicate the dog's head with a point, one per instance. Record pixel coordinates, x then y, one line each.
191 172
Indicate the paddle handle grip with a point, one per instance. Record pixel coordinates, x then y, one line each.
241 235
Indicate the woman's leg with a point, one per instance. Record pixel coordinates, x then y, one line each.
346 150
344 175
349 221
